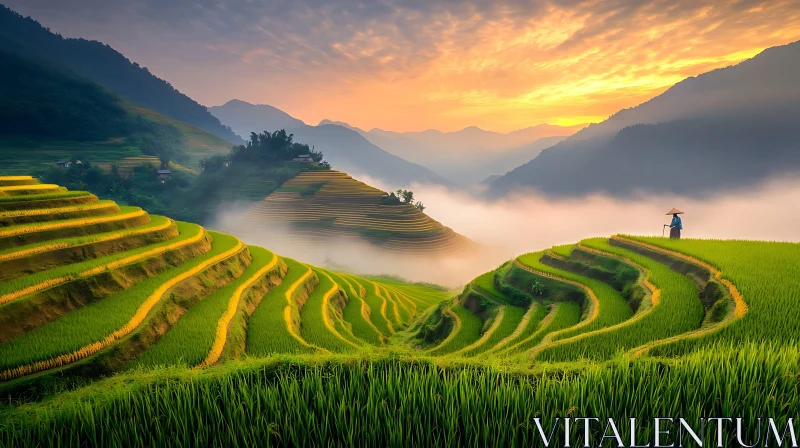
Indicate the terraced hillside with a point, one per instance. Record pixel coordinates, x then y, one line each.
630 296
190 144
324 205
122 328
91 286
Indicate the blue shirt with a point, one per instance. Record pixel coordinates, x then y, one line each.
676 222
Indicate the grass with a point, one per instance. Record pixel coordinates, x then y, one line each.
190 340
316 322
267 330
467 332
764 272
528 325
21 217
156 223
95 322
377 305
486 283
45 200
562 315
21 287
23 234
357 312
611 307
679 311
511 318
356 401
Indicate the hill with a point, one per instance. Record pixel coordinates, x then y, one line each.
105 66
48 113
320 206
344 148
729 128
115 323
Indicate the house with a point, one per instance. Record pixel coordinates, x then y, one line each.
63 163
164 174
303 158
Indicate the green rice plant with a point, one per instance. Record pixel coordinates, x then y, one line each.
423 297
765 273
357 401
316 321
467 332
8 181
29 216
156 223
20 287
563 251
377 306
13 200
402 310
357 312
678 310
486 283
268 330
509 320
23 234
562 315
392 309
24 190
190 340
407 304
95 321
611 308
527 326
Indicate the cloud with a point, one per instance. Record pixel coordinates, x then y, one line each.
414 64
529 222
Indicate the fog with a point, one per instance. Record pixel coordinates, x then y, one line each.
528 222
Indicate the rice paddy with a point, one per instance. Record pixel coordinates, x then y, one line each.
324 205
166 328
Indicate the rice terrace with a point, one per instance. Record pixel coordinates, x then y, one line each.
108 311
400 224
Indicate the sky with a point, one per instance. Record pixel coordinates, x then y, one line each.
411 65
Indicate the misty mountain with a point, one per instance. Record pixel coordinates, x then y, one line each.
245 118
470 155
102 64
346 149
725 129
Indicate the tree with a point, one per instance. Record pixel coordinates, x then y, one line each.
420 206
408 197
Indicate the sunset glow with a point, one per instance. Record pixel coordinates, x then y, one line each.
412 66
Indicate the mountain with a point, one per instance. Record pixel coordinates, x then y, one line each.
346 149
245 118
49 113
726 129
109 68
470 155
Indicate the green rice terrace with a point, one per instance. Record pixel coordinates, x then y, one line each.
329 204
118 328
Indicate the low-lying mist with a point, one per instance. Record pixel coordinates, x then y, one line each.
528 222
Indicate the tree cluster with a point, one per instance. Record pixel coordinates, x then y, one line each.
403 197
264 150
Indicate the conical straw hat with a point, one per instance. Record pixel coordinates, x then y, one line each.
674 211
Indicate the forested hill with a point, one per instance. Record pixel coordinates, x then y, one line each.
109 68
51 104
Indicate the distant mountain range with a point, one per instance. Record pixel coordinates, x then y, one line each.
463 157
102 64
470 155
726 129
345 149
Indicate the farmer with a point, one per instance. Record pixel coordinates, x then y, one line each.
676 225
